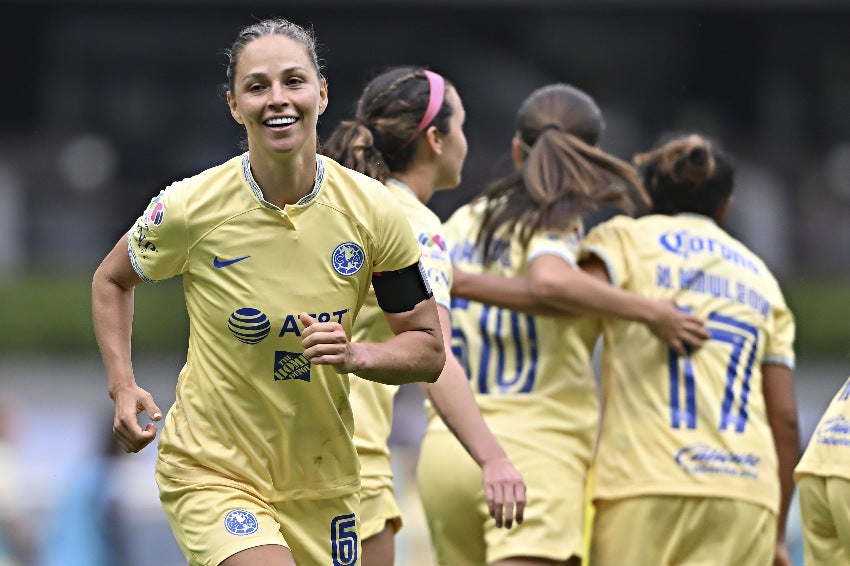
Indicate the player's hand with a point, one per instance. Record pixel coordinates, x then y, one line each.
325 343
505 490
781 556
129 403
681 331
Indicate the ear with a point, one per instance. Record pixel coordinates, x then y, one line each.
323 96
434 139
234 111
517 153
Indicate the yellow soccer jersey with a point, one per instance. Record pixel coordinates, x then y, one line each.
529 373
249 406
372 402
828 452
694 426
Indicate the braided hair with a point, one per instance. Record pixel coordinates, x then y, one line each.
382 137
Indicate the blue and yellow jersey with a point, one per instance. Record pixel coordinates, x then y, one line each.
828 451
692 426
373 402
529 373
249 406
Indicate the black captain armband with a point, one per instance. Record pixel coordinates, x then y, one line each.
401 290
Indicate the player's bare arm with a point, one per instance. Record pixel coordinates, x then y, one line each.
454 402
414 354
113 287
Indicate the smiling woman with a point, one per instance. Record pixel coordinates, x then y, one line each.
278 100
256 462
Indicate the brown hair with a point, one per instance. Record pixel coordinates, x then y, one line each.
272 26
686 173
563 175
377 141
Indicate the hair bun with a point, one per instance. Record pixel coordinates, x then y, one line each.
687 159
698 156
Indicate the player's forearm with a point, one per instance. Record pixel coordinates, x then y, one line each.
407 357
112 317
507 292
579 293
781 408
787 439
453 400
787 455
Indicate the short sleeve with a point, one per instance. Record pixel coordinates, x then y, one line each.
605 241
158 242
780 345
564 244
437 265
395 243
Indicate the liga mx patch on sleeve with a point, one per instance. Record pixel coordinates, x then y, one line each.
155 212
291 365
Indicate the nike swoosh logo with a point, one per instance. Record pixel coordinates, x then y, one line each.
218 264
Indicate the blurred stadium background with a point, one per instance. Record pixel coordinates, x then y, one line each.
107 102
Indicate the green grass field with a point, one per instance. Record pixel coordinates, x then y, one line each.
46 315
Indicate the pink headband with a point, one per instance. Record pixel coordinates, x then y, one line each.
437 92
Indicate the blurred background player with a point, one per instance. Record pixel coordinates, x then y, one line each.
256 464
531 374
823 486
88 524
408 133
15 538
695 454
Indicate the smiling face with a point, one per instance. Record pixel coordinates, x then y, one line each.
278 96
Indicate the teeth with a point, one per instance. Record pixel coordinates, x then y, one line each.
279 121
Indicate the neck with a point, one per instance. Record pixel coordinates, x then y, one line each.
283 181
420 180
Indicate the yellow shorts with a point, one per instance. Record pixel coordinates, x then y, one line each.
682 530
215 518
462 531
825 514
377 508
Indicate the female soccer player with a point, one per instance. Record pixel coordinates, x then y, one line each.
408 133
531 375
696 452
823 480
277 248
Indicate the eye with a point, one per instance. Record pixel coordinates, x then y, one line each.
294 81
255 87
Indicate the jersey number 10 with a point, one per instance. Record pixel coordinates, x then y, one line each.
520 342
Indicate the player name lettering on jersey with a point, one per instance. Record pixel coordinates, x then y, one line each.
699 281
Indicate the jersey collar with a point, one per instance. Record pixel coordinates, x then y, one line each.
399 184
697 216
255 188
